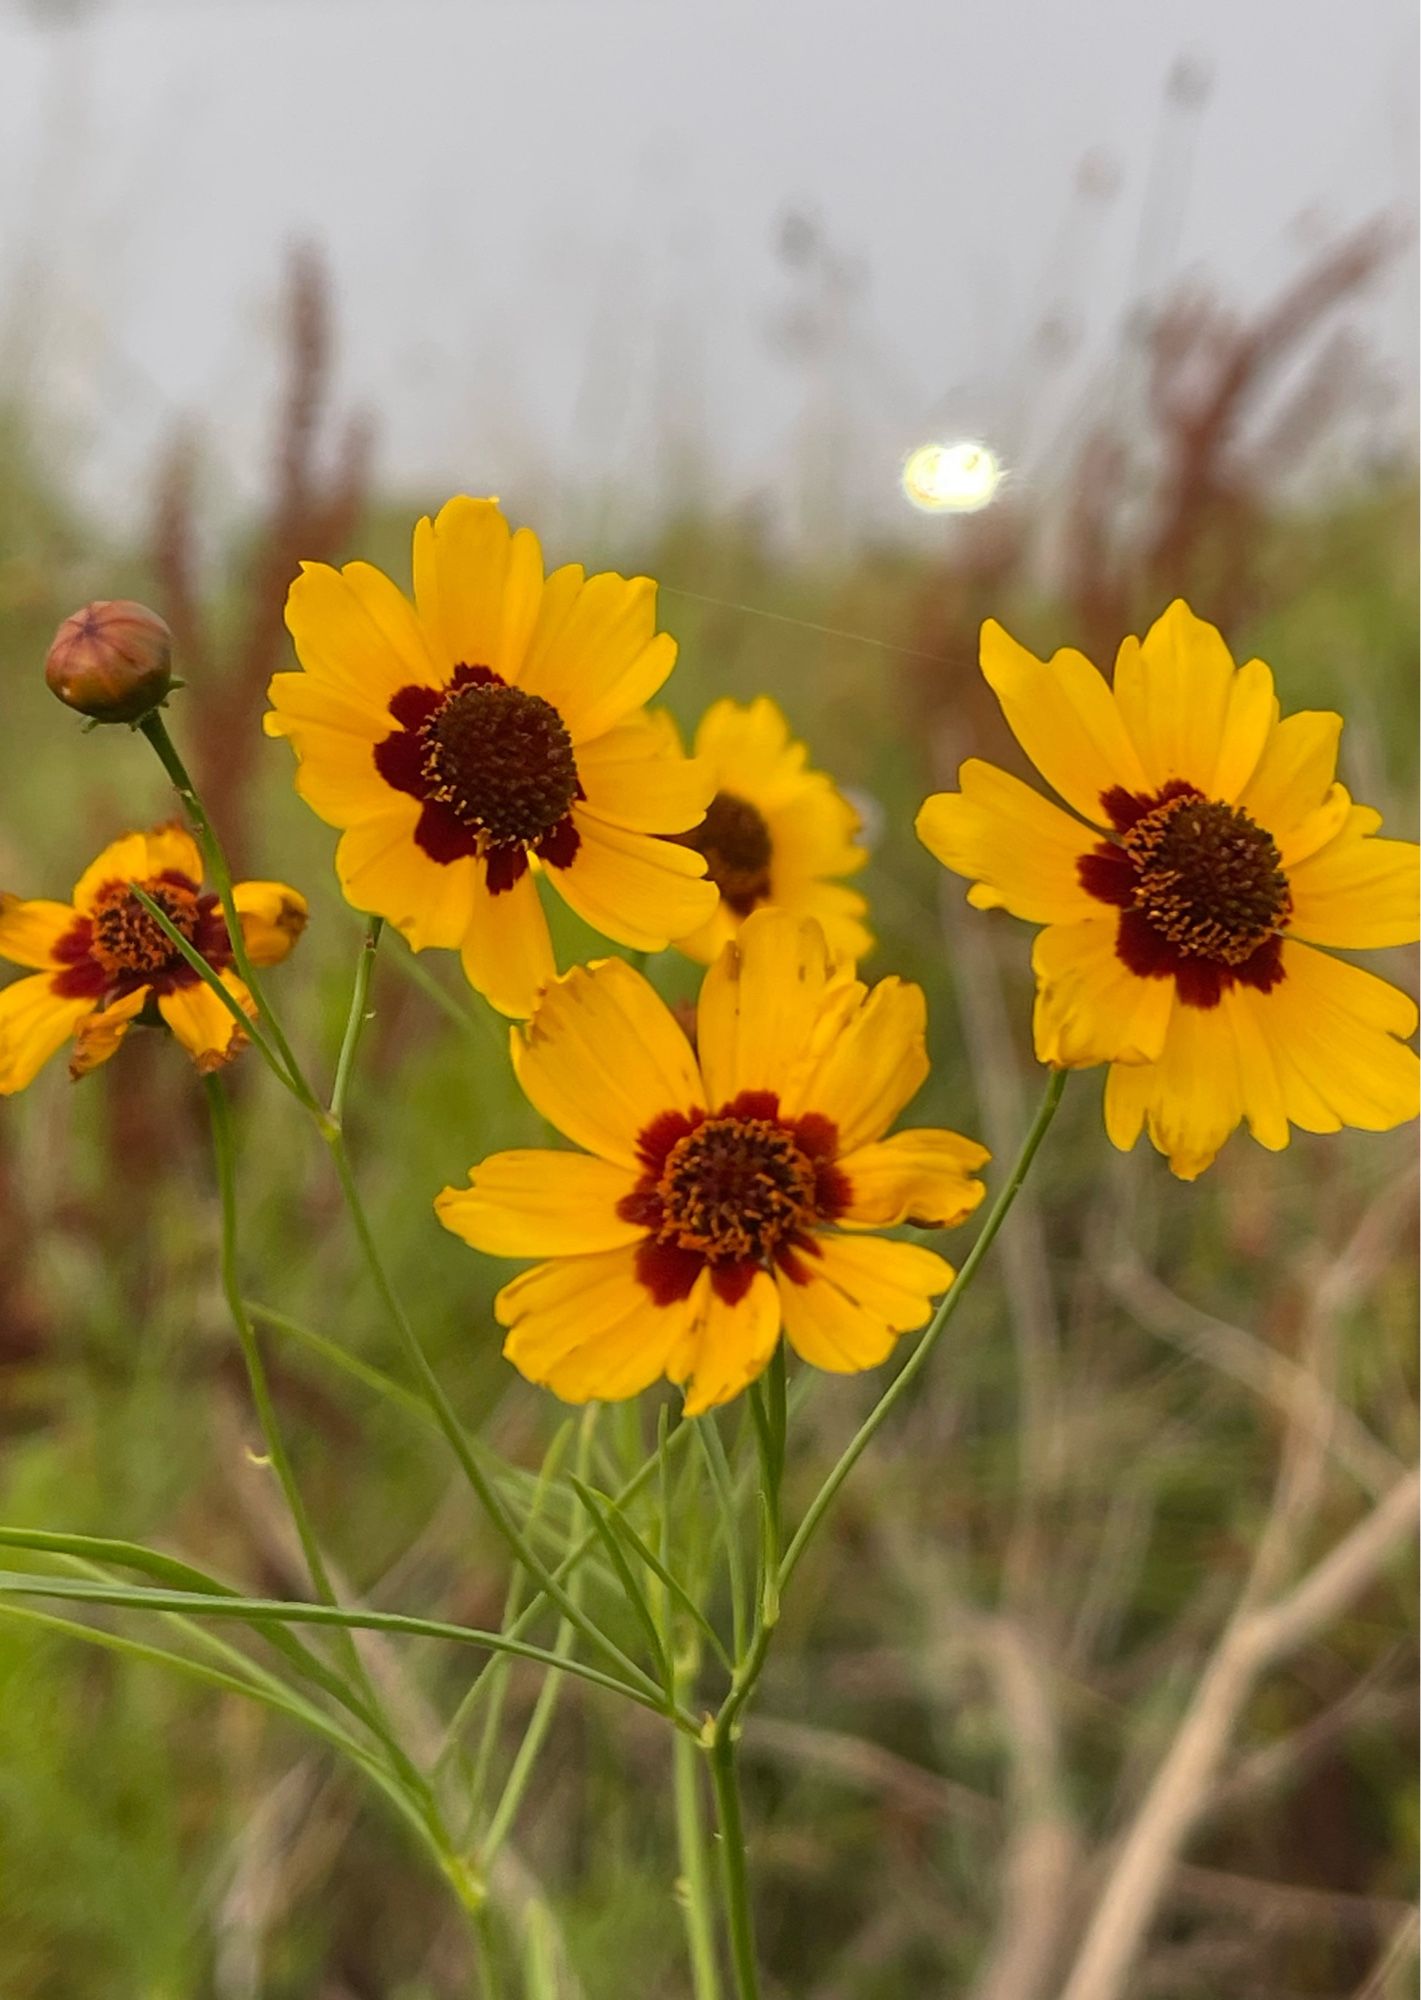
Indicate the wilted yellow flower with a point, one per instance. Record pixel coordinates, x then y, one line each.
774 832
102 960
723 1195
1181 919
489 732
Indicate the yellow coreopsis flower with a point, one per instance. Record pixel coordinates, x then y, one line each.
488 732
724 1194
774 832
102 961
1213 852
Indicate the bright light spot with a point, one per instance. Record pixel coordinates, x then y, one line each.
952 478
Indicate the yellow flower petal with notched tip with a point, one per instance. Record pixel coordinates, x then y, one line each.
1214 849
723 1198
487 734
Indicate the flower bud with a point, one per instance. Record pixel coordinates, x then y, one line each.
112 661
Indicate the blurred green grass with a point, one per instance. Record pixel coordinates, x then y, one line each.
131 1805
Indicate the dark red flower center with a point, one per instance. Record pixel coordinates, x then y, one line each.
1207 878
1200 887
126 938
736 843
735 1187
734 1192
116 946
494 769
501 760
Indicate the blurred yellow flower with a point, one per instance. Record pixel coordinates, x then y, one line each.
489 732
773 833
1181 919
102 960
723 1195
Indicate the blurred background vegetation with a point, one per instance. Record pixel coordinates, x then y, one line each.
983 1662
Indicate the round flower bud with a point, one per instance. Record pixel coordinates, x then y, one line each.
112 661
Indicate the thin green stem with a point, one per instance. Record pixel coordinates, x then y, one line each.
356 1019
155 729
212 980
225 1156
734 1877
259 1611
541 1720
694 1886
448 1420
918 1359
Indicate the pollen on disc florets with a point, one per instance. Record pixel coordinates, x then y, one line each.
501 760
735 841
125 936
1208 878
735 1188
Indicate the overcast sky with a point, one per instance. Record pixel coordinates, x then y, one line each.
553 224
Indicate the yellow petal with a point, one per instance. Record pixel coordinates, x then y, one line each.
136 857
540 1204
1334 1033
1320 1050
1066 720
708 941
383 872
729 1345
1357 892
861 1293
34 1022
1190 714
751 751
30 931
1090 1007
507 954
595 654
630 781
923 1176
813 832
273 917
98 1037
1020 852
1294 774
1190 1100
761 1005
837 911
335 770
358 634
203 1025
641 891
603 1057
478 587
865 1072
1250 720
587 1328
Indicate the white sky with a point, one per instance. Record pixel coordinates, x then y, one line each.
553 223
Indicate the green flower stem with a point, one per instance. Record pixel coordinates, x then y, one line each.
355 1021
430 1386
541 1720
155 729
694 1887
213 981
499 1517
261 1611
224 1152
734 1877
720 1738
918 1359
